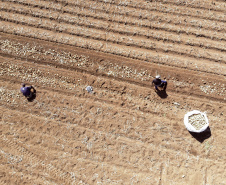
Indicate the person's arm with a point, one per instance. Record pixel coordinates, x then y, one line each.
29 87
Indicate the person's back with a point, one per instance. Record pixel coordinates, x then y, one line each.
159 83
25 90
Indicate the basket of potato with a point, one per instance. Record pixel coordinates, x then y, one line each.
196 121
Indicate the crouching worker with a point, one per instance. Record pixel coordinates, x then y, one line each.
157 82
28 91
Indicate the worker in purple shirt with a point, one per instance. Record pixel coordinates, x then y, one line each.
27 91
159 83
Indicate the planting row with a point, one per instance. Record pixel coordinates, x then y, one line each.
112 25
101 45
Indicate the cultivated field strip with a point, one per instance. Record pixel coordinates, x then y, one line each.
188 51
194 4
151 7
56 173
70 81
94 22
68 141
142 5
113 97
15 162
205 4
124 132
115 10
107 47
131 41
87 19
175 10
136 73
32 124
149 127
128 100
151 22
77 137
143 14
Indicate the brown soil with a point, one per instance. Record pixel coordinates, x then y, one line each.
124 132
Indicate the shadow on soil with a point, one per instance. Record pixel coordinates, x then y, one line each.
33 95
162 94
202 136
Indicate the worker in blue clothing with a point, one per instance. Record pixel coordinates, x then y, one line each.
157 82
27 90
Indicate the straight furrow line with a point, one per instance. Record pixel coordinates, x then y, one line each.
128 13
119 40
108 48
154 25
120 29
159 7
197 4
144 23
15 71
68 61
144 105
145 6
13 98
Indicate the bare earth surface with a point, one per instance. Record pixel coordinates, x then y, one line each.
124 132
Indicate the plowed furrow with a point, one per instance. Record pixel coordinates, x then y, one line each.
113 48
177 10
145 14
113 98
125 131
146 23
18 71
76 137
71 112
69 141
21 175
62 58
138 75
133 41
120 145
93 23
56 173
156 25
216 6
158 7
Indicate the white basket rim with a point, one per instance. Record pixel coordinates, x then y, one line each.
191 127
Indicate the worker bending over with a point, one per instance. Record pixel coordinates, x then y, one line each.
157 82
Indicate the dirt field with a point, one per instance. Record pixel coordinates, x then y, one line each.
124 132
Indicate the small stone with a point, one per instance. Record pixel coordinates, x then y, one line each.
89 89
175 103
